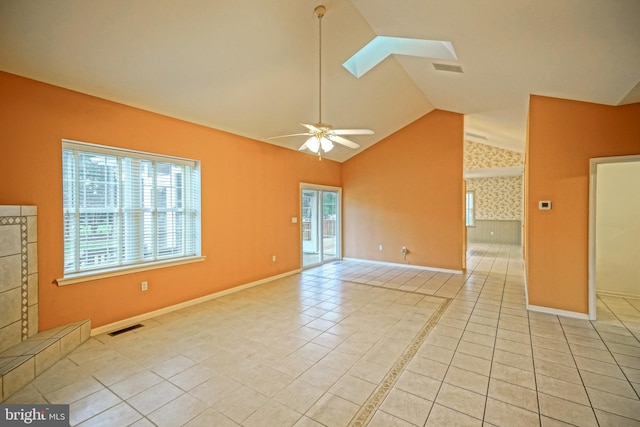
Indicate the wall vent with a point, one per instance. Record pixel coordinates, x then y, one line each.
447 67
123 330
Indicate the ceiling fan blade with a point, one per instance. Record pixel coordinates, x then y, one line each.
311 128
303 147
352 132
343 141
292 134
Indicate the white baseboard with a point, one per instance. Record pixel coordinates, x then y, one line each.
616 294
397 264
558 312
145 316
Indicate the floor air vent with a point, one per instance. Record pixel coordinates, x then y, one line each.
127 329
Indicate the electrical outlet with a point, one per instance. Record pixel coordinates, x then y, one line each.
380 247
273 258
404 250
144 286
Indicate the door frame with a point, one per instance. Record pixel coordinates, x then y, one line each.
319 187
593 191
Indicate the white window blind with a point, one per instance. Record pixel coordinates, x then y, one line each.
126 208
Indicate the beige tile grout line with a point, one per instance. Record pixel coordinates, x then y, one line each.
369 408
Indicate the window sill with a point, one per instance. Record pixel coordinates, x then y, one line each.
120 271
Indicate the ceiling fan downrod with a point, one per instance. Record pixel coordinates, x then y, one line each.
320 11
323 135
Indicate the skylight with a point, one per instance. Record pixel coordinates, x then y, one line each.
380 47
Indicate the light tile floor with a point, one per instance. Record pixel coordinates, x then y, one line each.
354 343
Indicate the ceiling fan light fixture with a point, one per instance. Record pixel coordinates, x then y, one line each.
326 144
313 144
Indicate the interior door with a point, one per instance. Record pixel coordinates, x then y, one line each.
320 228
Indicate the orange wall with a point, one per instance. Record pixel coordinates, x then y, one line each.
563 135
249 194
407 190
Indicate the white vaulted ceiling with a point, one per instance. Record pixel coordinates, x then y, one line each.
251 67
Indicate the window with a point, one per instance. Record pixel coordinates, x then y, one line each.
125 209
470 210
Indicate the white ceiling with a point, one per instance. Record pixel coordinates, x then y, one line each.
251 67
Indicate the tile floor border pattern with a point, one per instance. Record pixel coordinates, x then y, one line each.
369 408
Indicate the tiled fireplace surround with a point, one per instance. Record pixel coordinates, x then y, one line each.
24 351
18 274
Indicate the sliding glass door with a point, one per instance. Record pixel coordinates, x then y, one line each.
320 224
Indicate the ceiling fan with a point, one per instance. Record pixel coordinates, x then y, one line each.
323 135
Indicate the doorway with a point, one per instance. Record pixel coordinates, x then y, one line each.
321 224
614 229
